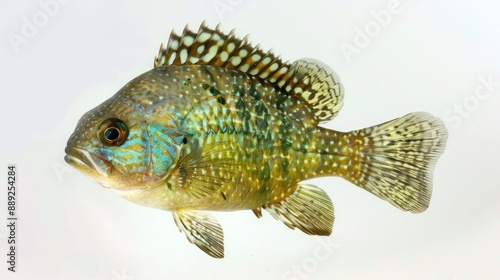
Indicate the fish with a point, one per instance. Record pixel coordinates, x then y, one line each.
220 125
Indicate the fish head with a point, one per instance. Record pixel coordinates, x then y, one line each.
122 144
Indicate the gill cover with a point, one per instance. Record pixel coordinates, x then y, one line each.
165 143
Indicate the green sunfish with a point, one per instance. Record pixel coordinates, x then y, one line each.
221 125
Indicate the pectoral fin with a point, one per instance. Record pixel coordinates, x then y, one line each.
309 209
201 229
205 169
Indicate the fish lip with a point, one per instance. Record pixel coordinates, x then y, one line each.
82 159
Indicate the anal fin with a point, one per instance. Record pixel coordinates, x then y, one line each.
309 209
201 229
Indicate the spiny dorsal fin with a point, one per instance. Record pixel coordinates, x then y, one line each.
309 80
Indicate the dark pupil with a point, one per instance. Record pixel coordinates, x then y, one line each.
111 133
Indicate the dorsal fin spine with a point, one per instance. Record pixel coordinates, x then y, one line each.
266 71
309 80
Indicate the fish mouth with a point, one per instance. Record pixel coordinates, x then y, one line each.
87 162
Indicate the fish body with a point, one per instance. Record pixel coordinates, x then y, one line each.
220 125
260 151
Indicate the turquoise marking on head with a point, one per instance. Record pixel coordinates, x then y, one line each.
146 156
133 155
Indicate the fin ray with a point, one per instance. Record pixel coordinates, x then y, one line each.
309 209
258 212
307 79
398 158
201 229
205 169
317 85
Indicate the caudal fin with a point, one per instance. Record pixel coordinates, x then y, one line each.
397 159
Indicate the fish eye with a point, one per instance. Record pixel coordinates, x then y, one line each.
112 132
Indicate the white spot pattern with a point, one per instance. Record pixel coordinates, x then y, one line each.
310 80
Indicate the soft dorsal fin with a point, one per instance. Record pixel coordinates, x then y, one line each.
318 86
309 80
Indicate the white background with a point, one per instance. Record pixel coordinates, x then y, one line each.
427 57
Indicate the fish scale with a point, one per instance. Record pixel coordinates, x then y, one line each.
219 124
285 136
